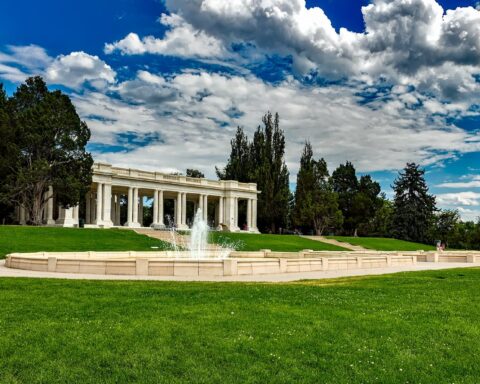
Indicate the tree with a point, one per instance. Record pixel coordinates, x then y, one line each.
195 173
267 154
7 156
239 163
381 223
414 207
345 183
262 161
49 150
445 225
316 204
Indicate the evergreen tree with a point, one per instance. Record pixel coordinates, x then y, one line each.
195 173
414 207
345 183
239 163
316 204
271 174
48 150
7 156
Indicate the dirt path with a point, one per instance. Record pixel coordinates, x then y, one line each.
336 242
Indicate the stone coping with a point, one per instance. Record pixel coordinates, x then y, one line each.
163 263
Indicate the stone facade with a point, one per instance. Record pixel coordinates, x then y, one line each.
219 201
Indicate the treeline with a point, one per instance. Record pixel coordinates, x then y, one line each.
342 202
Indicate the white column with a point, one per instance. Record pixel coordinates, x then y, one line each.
178 213
66 217
130 207
155 207
205 208
107 205
236 211
184 209
135 207
254 215
249 214
160 208
22 216
200 203
140 210
98 211
50 220
220 211
87 208
117 209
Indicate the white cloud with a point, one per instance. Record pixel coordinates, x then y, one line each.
196 113
473 183
407 42
181 39
75 69
467 198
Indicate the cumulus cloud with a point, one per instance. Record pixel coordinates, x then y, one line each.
408 42
196 113
473 183
75 69
17 62
180 39
467 198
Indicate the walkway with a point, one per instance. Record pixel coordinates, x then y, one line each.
286 277
336 242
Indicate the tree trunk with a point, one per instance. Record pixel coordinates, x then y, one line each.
355 234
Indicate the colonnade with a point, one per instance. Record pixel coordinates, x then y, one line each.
114 187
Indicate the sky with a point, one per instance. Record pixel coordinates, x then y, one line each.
164 84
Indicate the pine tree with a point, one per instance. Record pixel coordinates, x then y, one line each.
345 183
316 204
414 207
7 154
48 150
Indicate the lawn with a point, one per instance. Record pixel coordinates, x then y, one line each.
255 242
383 244
417 327
36 239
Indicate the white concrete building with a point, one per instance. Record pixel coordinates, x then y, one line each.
219 201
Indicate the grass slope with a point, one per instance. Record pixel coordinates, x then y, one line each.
37 239
383 244
419 327
255 242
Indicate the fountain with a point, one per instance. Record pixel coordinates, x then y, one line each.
199 237
195 245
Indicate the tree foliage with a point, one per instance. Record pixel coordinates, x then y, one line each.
195 173
358 199
262 161
316 204
46 148
414 207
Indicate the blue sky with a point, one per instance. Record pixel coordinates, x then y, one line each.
163 84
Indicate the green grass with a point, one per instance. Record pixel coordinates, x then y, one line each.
255 242
383 244
420 327
37 239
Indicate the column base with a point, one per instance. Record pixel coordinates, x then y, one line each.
157 226
107 224
67 223
183 227
132 225
51 222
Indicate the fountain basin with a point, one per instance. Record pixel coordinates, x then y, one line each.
238 263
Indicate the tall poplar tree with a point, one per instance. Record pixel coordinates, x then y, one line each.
48 150
271 174
414 207
316 204
262 161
